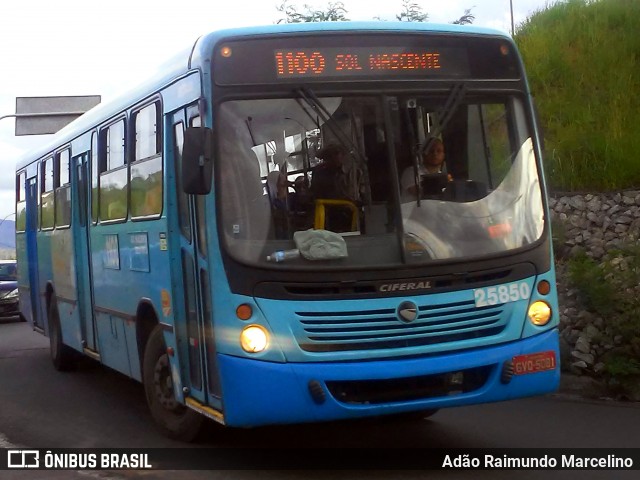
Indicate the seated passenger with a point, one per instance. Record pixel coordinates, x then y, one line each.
301 204
432 164
301 199
277 186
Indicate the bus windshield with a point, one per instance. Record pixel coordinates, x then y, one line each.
404 179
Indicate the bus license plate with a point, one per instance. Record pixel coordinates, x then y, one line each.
534 362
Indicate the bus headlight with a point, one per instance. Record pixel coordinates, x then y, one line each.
539 313
254 339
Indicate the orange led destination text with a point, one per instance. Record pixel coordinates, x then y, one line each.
309 63
404 61
299 63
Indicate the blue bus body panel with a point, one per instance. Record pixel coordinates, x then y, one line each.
359 330
31 252
64 284
122 254
265 390
126 254
260 393
45 273
114 336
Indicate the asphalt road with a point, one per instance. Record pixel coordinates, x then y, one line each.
95 407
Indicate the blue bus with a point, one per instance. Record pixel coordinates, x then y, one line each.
188 234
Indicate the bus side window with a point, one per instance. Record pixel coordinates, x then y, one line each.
47 198
95 170
63 189
146 169
113 173
21 204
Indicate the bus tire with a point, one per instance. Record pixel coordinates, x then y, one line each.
174 419
63 357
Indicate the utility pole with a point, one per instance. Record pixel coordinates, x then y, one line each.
511 8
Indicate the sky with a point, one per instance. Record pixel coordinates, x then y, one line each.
75 47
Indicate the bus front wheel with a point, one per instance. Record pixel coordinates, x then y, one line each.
175 420
63 357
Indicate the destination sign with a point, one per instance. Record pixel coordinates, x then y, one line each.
342 57
369 62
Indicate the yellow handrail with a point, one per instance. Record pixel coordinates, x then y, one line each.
320 215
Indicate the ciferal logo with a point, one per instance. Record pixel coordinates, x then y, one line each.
23 459
404 286
408 312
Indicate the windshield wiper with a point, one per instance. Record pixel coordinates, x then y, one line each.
324 114
416 152
450 106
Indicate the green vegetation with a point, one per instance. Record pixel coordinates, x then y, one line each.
337 12
583 62
612 290
588 277
411 12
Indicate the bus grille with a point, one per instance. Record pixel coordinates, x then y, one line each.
370 392
382 329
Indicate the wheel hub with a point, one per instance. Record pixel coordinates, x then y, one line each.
163 384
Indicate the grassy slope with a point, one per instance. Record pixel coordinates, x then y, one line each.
583 62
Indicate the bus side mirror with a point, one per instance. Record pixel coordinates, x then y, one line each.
197 160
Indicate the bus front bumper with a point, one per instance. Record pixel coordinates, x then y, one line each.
261 393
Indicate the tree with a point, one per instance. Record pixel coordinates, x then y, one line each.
465 19
412 12
335 12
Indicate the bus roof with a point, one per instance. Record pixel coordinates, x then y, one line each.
372 26
180 64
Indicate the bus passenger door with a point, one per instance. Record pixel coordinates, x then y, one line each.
32 250
84 280
202 374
